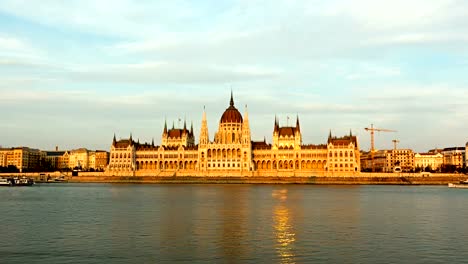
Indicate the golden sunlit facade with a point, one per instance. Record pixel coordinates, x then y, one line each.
233 153
23 158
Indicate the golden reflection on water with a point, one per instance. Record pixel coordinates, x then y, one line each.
284 231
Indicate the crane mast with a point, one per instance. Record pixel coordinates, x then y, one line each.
372 131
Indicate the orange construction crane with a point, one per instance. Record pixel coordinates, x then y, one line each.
395 142
372 131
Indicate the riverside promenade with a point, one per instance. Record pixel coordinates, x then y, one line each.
322 178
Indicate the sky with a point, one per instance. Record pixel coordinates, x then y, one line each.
73 73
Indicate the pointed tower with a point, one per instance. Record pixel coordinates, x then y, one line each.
246 128
131 138
204 138
276 127
298 135
191 129
246 142
329 136
276 134
298 127
165 134
114 140
152 142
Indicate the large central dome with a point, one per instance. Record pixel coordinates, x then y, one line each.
231 115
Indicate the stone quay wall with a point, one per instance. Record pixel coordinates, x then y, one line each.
273 177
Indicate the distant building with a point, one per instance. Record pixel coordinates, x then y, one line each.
454 156
434 161
53 158
376 162
466 154
404 158
23 158
58 160
388 160
3 157
101 160
87 159
79 158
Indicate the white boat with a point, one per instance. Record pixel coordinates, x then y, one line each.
23 181
462 184
5 182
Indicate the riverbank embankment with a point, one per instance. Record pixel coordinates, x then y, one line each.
355 179
439 180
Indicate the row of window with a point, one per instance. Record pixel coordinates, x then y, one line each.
341 154
223 165
345 165
341 160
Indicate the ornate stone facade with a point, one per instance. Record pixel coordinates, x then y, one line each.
233 153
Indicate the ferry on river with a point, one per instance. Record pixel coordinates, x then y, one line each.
461 184
17 181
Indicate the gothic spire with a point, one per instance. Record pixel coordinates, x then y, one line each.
165 126
152 142
114 140
276 124
204 114
185 124
204 137
330 135
298 127
246 114
191 128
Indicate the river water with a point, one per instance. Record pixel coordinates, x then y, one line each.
106 223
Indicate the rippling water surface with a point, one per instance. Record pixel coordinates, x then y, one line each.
104 223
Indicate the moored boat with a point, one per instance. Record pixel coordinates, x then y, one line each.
461 184
23 181
5 182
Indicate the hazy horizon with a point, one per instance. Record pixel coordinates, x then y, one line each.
73 73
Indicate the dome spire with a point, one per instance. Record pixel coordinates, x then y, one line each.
231 103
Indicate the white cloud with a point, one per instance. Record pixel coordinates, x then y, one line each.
282 56
170 72
39 95
13 47
384 15
368 71
107 17
9 43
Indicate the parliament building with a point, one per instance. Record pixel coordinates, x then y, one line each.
231 152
